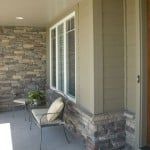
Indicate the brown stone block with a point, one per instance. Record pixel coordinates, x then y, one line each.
9 56
2 76
37 70
44 57
28 46
5 41
15 83
29 76
19 52
20 31
17 77
26 61
31 73
5 84
12 67
17 57
5 88
11 37
3 68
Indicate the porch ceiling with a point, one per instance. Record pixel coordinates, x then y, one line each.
35 12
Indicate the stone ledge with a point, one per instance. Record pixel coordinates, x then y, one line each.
108 131
129 115
130 129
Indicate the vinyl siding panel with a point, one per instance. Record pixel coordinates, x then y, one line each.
85 56
131 55
113 41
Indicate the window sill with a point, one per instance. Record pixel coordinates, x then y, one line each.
68 97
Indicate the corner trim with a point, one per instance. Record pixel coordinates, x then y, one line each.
141 97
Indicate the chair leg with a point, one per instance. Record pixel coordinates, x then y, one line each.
25 113
30 124
29 116
67 139
13 110
41 139
10 108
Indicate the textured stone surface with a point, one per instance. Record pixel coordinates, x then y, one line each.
22 58
101 132
130 129
110 131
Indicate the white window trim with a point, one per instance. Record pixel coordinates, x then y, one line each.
63 21
57 78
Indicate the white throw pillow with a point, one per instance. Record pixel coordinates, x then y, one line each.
56 107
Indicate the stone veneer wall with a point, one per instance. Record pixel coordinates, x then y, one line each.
22 59
130 130
100 132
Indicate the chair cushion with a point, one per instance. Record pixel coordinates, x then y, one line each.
37 113
55 109
20 101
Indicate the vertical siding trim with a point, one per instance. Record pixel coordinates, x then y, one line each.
98 57
143 140
77 54
125 53
138 72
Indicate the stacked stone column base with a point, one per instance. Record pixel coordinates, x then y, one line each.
108 131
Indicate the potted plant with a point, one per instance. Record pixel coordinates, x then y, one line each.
36 97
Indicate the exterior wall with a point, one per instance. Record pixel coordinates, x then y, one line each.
85 70
22 59
85 45
98 56
87 66
107 53
131 55
100 132
106 74
113 46
99 30
104 131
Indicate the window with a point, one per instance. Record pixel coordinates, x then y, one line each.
70 40
53 52
62 54
60 45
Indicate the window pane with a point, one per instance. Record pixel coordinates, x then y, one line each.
71 62
68 25
72 23
53 50
61 57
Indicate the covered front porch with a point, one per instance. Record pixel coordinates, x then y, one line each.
92 53
16 135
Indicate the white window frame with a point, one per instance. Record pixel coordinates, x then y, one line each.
63 21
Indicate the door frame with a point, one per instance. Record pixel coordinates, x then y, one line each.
141 89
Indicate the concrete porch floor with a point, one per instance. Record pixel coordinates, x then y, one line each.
24 139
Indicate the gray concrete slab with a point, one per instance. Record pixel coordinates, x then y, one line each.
24 139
